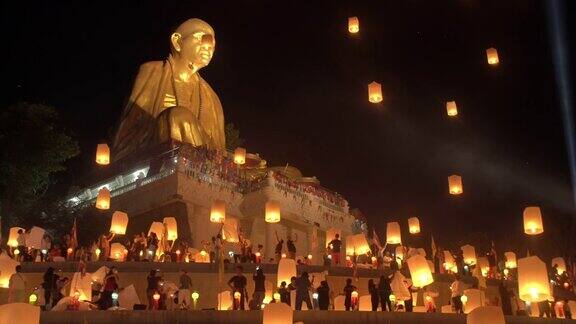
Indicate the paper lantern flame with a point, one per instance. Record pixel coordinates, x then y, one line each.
353 25
102 154
375 92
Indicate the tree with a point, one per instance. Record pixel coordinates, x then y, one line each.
233 139
34 148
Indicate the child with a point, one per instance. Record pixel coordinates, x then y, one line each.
284 293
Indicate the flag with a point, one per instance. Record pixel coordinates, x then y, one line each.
73 237
376 239
433 244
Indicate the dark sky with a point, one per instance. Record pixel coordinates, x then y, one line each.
293 80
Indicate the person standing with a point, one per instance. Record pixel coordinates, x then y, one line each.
110 286
374 297
49 285
278 248
21 241
348 289
335 245
238 285
284 293
17 287
323 292
384 292
303 285
153 287
184 290
457 289
259 288
291 247
152 243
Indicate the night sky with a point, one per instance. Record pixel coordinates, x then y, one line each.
294 82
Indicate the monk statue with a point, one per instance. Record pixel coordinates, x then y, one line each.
170 101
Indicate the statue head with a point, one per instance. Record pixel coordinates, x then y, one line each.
193 44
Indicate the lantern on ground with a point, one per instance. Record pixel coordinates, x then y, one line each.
286 270
559 261
13 236
414 225
240 156
353 25
218 211
510 260
103 199
533 284
419 271
277 313
119 223
533 221
492 56
272 211
375 92
451 108
171 228
103 154
455 184
393 235
469 254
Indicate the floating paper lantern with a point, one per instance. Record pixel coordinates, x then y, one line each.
158 229
7 269
451 108
375 92
469 254
474 298
353 25
350 245
272 211
449 263
331 234
399 252
419 271
482 263
393 235
533 284
414 225
230 230
561 265
225 300
119 223
103 154
277 313
103 199
492 56
510 260
218 211
171 228
486 314
357 244
533 221
13 236
455 184
240 155
286 270
117 251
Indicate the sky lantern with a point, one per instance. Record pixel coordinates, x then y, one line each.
414 225
393 235
331 234
455 184
510 260
117 251
158 229
272 211
451 108
350 245
7 269
561 265
171 228
486 314
286 270
482 263
361 246
419 271
13 236
533 284
533 221
492 56
230 230
375 92
103 154
353 25
103 199
218 211
449 262
399 252
240 155
277 313
469 254
224 300
474 299
119 223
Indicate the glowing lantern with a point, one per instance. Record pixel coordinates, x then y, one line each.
156 296
195 296
224 300
455 184
119 223
360 244
400 252
103 154
533 284
218 211
533 221
117 251
230 230
7 269
272 211
353 25
13 236
331 234
33 299
375 92
283 255
240 155
486 314
414 225
506 271
276 296
510 260
469 254
237 296
561 265
350 245
158 229
419 271
492 56
451 108
103 199
482 263
277 313
464 299
392 298
474 299
171 228
16 252
393 235
286 270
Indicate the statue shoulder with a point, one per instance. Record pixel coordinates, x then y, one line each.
150 67
206 86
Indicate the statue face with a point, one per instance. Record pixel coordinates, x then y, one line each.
196 49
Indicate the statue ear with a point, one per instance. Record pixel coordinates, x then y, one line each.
175 40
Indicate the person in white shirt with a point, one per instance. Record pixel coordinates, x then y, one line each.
457 289
17 287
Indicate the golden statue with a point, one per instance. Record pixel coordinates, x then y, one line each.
170 100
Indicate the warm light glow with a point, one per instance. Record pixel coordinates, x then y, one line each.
374 259
510 260
348 258
103 154
393 235
171 228
533 221
276 296
283 255
449 262
218 211
103 199
13 236
419 271
195 296
119 223
506 271
392 298
16 252
414 225
354 294
375 92
277 313
469 254
177 252
258 254
561 265
400 252
482 263
533 284
286 270
32 299
240 155
451 108
117 251
272 211
309 256
70 250
237 295
203 253
464 299
455 184
492 56
156 296
353 25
